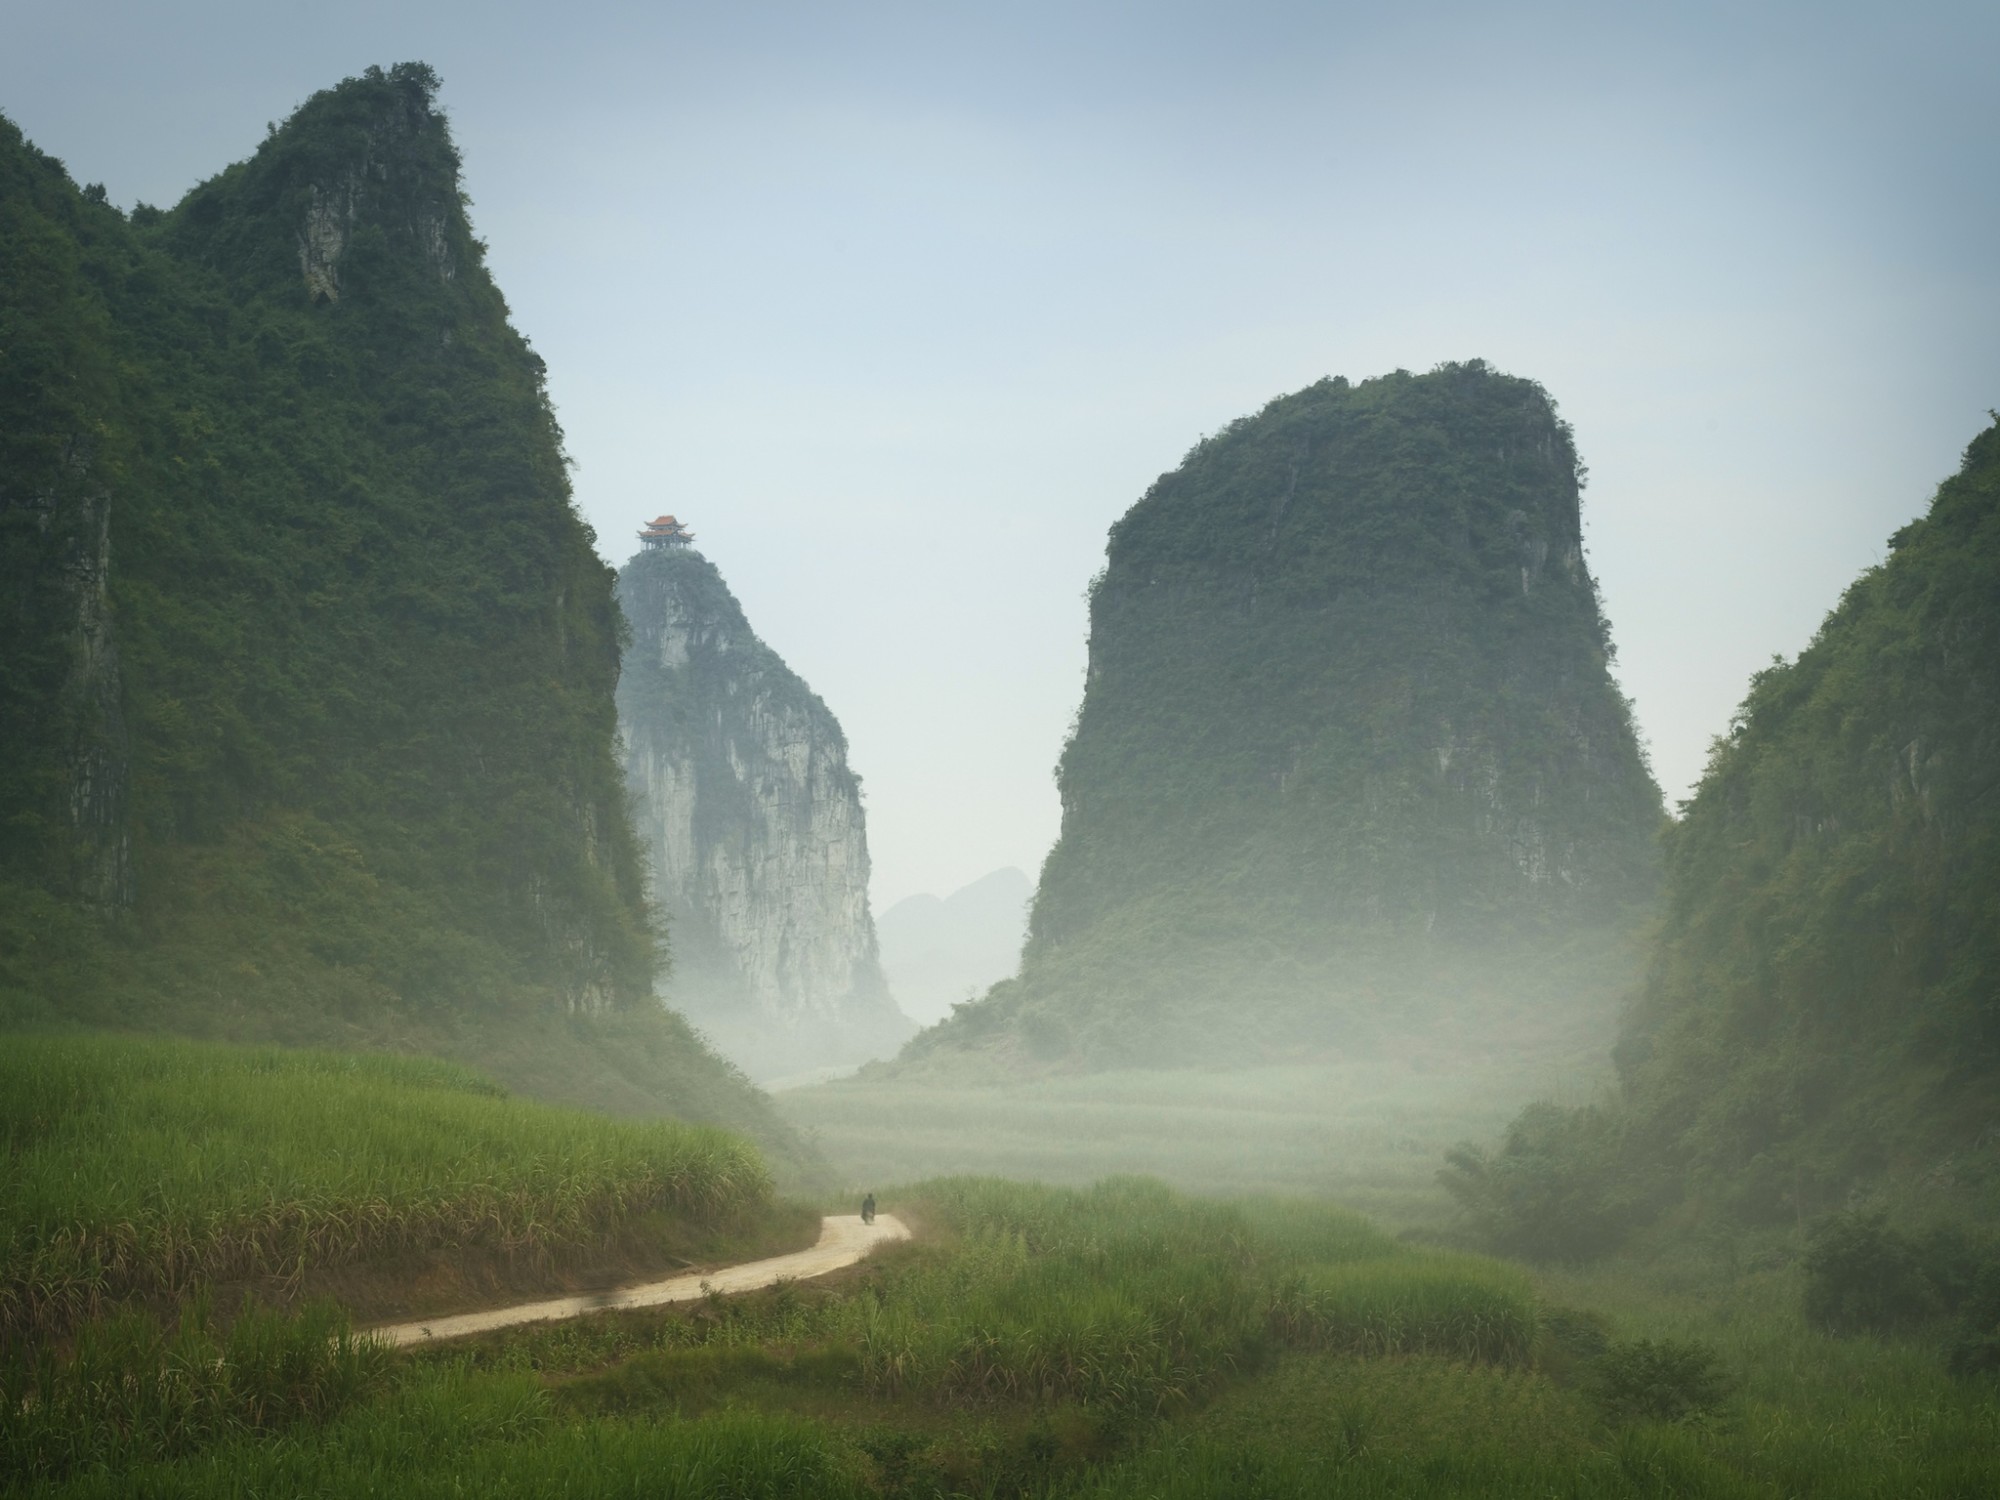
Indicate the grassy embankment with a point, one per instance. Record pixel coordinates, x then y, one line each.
1119 1341
146 1170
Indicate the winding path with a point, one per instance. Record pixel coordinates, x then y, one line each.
843 1240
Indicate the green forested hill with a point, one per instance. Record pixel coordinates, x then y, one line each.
1349 747
1822 1007
306 711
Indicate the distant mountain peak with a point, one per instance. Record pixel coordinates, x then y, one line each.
753 819
940 952
357 191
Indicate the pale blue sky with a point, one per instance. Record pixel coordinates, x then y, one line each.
901 305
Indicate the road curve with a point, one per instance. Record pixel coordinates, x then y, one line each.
843 1240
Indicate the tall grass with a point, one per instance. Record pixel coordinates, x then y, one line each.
130 1391
1453 1305
450 1435
148 1167
1131 1295
1030 1339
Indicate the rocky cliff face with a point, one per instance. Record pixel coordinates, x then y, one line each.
753 822
1349 752
96 756
66 747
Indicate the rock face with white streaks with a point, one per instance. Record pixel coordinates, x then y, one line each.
753 824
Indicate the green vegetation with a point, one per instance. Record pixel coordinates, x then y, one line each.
1349 757
1448 1305
129 1392
1817 1030
1122 1340
154 1169
1820 1008
1557 1188
1863 1275
1366 1132
1663 1381
306 695
361 652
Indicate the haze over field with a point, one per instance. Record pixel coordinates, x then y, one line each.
903 306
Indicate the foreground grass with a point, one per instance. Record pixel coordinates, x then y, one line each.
148 1168
1127 1341
1868 1421
1123 1305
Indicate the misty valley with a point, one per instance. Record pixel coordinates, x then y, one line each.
1378 1090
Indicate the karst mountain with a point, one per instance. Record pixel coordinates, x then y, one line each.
306 696
752 824
1351 762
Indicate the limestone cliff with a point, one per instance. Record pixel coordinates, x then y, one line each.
753 823
1349 758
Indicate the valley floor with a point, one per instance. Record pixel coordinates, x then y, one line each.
1367 1133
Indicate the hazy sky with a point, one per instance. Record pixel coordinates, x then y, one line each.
900 306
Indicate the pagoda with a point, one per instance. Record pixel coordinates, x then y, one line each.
664 532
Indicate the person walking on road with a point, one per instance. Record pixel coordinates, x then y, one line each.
868 1209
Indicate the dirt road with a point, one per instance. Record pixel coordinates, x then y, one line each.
843 1240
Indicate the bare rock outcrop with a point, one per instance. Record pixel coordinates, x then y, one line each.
753 823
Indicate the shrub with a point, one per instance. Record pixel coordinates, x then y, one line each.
1553 1191
1864 1276
1974 1349
1663 1380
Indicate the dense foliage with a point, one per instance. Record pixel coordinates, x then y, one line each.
1819 1025
1557 1188
1662 1380
1822 1008
306 660
1349 744
1866 1275
309 660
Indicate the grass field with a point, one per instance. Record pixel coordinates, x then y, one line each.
148 1168
1367 1133
1118 1341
